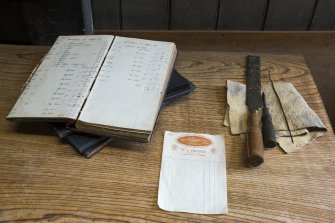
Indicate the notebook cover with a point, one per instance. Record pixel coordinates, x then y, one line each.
178 87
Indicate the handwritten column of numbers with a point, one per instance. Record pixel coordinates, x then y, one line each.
146 61
76 62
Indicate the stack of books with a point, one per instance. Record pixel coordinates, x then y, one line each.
96 88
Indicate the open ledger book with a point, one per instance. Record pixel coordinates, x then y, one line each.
103 84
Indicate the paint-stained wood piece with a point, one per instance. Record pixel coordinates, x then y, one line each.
145 14
289 15
106 14
194 14
324 16
241 14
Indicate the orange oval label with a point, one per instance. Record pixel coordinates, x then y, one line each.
192 140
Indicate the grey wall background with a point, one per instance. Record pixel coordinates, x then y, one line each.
41 21
214 14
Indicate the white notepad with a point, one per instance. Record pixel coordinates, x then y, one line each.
193 174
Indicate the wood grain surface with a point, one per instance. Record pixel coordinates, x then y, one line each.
44 179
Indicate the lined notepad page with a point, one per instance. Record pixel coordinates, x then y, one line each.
62 81
128 89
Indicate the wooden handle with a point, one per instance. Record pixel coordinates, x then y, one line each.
255 149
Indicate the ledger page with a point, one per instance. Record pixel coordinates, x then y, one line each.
130 85
62 81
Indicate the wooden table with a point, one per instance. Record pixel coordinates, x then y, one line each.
44 179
